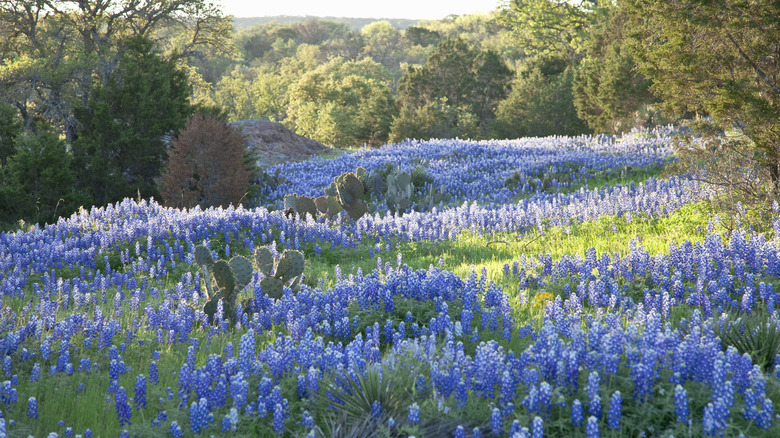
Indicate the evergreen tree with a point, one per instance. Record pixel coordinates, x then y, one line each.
609 94
37 184
206 165
120 149
10 129
456 89
540 104
718 59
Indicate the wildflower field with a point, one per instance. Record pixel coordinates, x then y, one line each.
566 288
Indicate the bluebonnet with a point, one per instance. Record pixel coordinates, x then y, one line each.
279 416
414 413
496 422
376 409
615 411
176 430
577 415
32 408
592 428
139 397
681 404
537 428
123 410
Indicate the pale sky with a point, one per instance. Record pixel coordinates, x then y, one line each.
413 9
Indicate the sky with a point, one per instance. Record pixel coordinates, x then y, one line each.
413 9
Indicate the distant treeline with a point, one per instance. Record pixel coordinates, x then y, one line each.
354 23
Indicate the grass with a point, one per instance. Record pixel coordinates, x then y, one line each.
61 396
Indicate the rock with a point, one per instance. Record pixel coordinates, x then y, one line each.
274 143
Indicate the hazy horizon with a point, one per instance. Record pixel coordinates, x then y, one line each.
400 9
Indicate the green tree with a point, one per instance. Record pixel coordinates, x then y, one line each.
609 94
344 104
121 147
10 129
556 28
540 104
37 184
718 61
53 49
455 79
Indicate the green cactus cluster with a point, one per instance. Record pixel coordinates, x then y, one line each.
230 277
352 192
286 269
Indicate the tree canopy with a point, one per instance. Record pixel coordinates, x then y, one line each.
717 59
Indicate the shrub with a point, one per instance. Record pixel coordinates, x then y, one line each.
206 166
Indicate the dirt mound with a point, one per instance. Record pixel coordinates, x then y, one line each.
274 143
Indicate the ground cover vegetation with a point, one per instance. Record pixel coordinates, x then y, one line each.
567 309
617 284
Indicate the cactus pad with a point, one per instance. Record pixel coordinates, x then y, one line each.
333 206
350 189
290 200
332 190
376 184
296 264
305 205
224 276
357 209
272 287
321 203
283 266
203 256
242 271
264 260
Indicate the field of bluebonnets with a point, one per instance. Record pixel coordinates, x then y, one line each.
567 288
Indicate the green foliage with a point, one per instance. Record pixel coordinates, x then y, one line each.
231 277
120 151
454 94
36 182
757 335
10 129
344 104
717 59
609 93
540 104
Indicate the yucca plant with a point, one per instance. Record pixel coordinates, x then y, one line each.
355 393
757 334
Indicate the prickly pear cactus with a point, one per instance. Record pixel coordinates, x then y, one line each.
203 256
264 260
224 276
295 260
287 271
305 205
290 201
272 287
242 271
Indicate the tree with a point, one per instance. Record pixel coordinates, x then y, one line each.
344 104
121 147
457 78
540 104
206 166
552 27
53 49
609 94
10 129
36 183
719 59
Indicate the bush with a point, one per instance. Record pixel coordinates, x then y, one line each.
206 166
